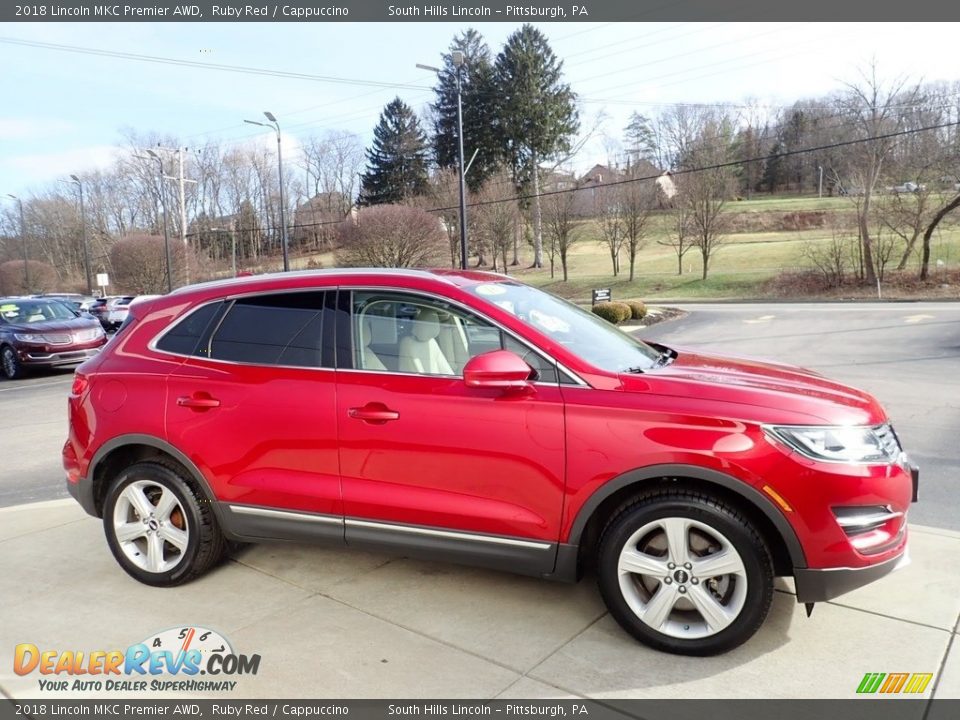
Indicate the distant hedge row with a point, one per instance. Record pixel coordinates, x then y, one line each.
618 312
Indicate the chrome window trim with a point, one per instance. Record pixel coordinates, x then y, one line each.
450 534
286 514
523 341
152 345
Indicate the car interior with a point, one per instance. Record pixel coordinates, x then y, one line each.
407 337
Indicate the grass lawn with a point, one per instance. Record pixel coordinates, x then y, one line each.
741 268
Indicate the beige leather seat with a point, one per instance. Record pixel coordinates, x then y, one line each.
419 351
368 358
453 343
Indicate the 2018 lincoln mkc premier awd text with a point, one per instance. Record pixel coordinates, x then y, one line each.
464 416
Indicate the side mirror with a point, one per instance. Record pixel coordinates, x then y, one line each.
497 369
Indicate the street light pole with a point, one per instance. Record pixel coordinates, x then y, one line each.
83 236
459 60
23 243
283 222
163 205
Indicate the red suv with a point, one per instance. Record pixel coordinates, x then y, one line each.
467 417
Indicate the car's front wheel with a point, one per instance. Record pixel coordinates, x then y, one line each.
685 573
12 367
160 529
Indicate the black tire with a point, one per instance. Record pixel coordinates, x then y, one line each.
10 363
715 515
205 544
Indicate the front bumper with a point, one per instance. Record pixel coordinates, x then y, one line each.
820 585
37 357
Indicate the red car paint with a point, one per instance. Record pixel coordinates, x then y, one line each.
518 464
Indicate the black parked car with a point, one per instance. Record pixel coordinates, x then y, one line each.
40 332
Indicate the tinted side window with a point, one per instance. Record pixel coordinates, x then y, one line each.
280 329
184 336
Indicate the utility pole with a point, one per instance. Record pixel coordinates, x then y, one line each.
180 180
458 59
820 185
163 205
23 243
275 126
83 235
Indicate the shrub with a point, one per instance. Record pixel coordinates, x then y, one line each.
392 236
612 312
43 277
637 309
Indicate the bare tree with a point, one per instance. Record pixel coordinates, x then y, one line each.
391 236
905 215
608 210
680 236
496 222
560 222
873 107
637 200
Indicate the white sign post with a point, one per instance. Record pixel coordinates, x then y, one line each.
103 280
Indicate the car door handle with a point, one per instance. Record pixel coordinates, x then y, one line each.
373 413
198 402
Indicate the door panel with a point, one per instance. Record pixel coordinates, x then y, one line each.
423 449
270 441
454 457
255 405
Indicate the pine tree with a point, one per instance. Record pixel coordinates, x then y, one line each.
640 140
537 114
397 161
479 111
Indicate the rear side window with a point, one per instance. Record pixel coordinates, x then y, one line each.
280 329
183 337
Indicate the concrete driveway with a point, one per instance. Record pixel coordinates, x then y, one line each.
347 624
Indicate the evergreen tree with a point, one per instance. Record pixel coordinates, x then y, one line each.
479 111
640 140
397 161
537 114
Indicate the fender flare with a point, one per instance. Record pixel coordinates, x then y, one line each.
163 446
745 491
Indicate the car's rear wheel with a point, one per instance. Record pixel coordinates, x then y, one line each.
685 573
160 529
12 367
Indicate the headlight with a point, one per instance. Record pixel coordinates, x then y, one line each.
876 444
30 337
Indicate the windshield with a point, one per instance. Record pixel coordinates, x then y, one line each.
24 312
583 333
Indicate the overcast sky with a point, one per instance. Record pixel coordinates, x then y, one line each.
63 112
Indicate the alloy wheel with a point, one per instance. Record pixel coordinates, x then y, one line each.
150 526
682 578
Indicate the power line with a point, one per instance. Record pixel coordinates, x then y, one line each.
716 166
208 66
684 171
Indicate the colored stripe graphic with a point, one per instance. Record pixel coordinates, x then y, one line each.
870 683
893 683
918 683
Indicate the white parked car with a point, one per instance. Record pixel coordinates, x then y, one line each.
908 187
